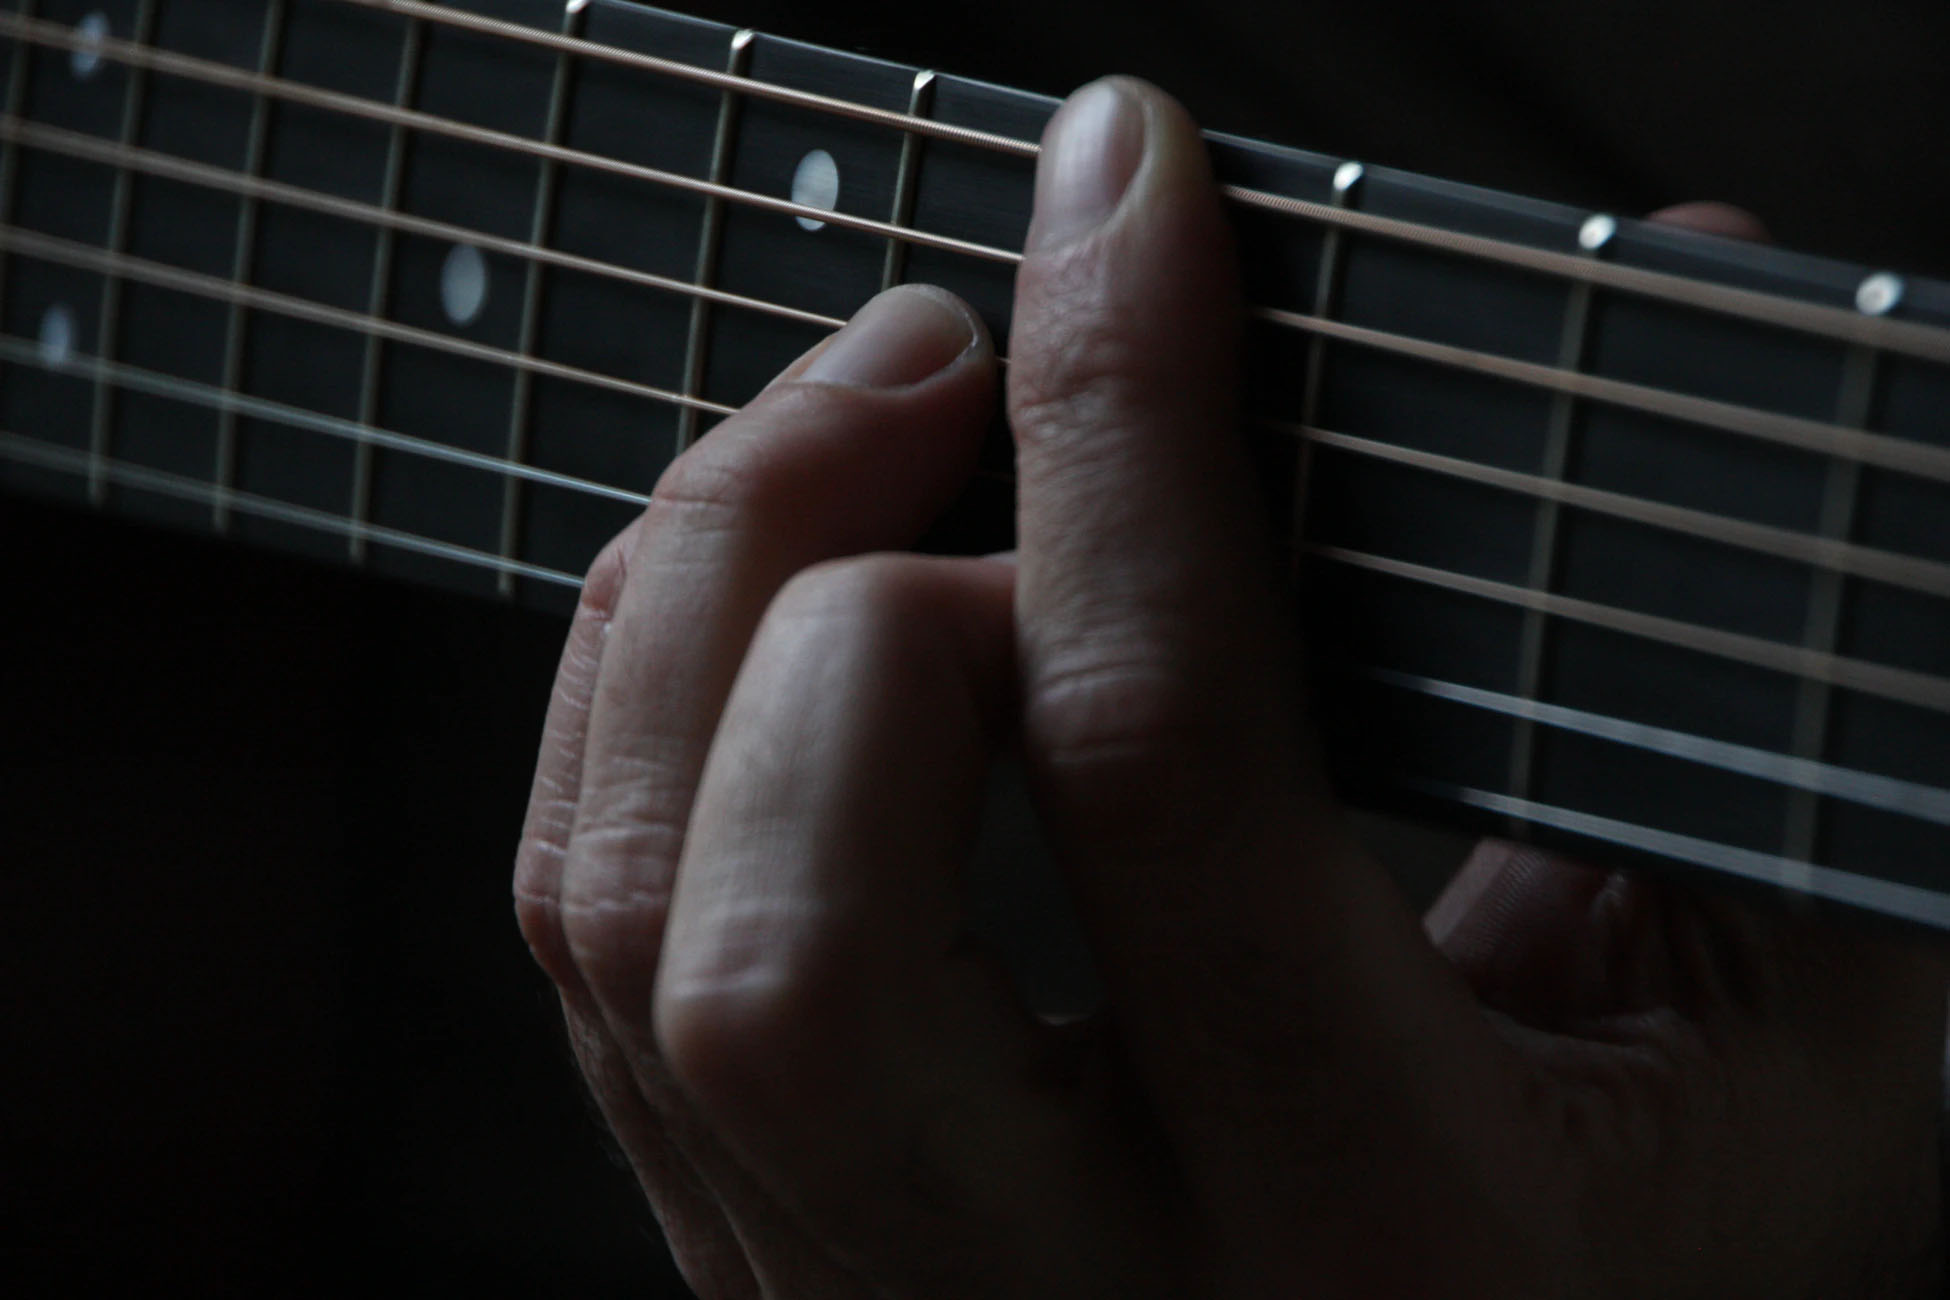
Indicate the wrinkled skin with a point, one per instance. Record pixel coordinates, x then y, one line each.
763 764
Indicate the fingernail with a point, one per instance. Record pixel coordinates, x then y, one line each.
1090 152
901 337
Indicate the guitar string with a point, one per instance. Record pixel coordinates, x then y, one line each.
1829 439
1916 458
1909 686
1890 897
1825 321
1884 333
154 383
1913 572
1908 798
41 455
1906 686
86 257
64 143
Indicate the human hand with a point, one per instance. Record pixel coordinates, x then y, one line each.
764 761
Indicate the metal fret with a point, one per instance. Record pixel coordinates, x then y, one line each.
710 236
9 148
1841 494
1572 349
520 404
411 46
1327 295
224 476
920 103
107 327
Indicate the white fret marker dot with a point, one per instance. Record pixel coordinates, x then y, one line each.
85 60
57 335
816 184
1878 294
463 284
1347 176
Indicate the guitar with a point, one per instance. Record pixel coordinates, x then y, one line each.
1629 543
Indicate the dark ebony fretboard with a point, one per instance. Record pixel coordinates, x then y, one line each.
1632 564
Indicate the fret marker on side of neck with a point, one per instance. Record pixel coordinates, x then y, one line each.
816 184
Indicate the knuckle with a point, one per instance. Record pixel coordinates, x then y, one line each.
747 470
608 573
1120 715
755 1005
875 592
1074 367
615 898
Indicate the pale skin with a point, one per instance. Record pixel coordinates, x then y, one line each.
762 766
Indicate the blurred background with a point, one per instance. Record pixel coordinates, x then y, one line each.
270 1028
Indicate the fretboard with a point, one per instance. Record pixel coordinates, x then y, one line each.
1625 541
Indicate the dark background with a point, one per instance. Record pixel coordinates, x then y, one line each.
270 1028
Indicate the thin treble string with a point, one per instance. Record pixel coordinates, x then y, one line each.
1880 332
30 451
1919 459
1834 323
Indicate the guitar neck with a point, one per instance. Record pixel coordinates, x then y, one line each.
1626 541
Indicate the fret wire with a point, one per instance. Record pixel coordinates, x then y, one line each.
1921 460
1327 293
30 451
920 103
224 474
1905 337
61 141
18 67
72 254
1889 897
108 325
1928 576
1925 690
1869 789
521 401
1840 497
379 289
156 384
710 237
1594 236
